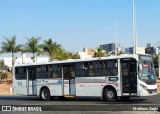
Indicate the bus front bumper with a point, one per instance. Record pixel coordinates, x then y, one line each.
148 92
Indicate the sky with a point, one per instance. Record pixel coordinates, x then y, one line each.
76 24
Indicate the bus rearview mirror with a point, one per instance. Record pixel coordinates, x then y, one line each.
140 66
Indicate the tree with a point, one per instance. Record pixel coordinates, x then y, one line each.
55 51
155 61
9 45
98 53
3 75
61 54
51 48
33 46
120 52
2 64
75 56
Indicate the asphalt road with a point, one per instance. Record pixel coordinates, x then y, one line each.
83 104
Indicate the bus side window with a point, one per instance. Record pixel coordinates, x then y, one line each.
38 71
82 69
79 67
55 71
20 73
97 68
43 71
111 68
86 69
125 69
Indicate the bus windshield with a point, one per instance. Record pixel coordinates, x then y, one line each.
147 68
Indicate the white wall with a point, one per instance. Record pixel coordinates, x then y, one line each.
140 50
83 55
8 60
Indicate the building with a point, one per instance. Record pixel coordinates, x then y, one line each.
149 50
129 50
22 59
149 44
120 48
83 55
108 47
139 50
157 51
88 51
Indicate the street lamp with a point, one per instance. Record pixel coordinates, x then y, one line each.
158 63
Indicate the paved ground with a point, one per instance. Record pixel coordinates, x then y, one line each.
84 105
30 100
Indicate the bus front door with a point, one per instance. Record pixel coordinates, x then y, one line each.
129 77
69 80
32 84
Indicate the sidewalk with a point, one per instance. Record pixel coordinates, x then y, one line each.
158 85
5 88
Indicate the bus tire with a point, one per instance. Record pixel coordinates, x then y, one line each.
125 98
110 94
45 94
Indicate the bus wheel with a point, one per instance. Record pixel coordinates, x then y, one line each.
110 94
45 94
125 98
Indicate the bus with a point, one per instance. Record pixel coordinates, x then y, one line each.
109 78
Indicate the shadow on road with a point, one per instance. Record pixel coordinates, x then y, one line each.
98 100
28 98
76 99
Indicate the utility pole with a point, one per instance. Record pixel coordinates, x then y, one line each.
133 29
158 63
158 60
135 32
115 39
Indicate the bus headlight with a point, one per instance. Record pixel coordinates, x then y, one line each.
144 87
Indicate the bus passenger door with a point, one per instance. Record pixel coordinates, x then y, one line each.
129 77
32 83
69 79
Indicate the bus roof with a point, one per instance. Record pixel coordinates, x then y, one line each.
81 60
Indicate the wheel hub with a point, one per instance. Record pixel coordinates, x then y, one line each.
110 94
44 95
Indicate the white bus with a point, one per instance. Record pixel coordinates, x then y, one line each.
110 78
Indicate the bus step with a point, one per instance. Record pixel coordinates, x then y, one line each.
69 96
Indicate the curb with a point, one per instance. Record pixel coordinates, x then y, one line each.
7 95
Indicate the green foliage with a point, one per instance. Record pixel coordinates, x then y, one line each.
69 55
3 75
99 53
9 45
120 52
51 48
61 54
2 63
55 51
3 67
75 56
155 61
33 46
156 72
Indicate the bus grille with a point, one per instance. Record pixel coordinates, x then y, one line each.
152 91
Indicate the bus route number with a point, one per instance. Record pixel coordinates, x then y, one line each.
113 79
19 83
